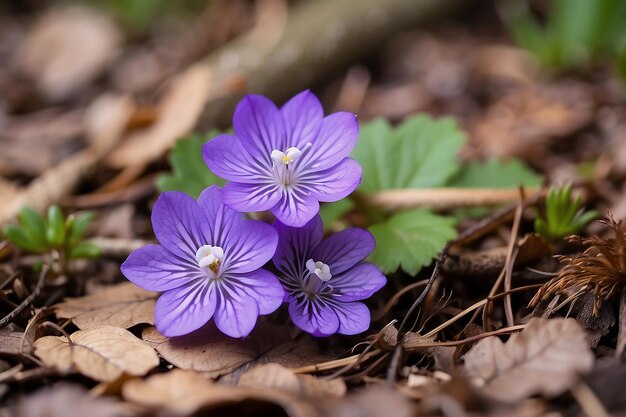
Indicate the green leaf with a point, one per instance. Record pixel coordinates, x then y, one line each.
55 232
332 212
79 225
34 226
410 240
189 172
18 236
85 250
495 174
420 153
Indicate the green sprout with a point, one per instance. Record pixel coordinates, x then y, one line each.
564 214
37 234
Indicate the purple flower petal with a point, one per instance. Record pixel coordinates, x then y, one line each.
295 246
342 250
313 317
303 115
185 309
336 139
154 268
354 318
226 157
179 224
295 208
220 219
260 126
236 312
334 183
358 283
251 197
263 286
248 246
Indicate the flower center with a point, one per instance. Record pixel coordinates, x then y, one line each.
210 257
285 158
320 269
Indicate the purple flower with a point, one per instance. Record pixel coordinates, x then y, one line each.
285 160
325 279
207 265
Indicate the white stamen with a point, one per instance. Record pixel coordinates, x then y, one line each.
210 257
320 269
284 158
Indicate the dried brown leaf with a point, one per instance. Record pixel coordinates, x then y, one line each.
181 391
103 353
122 305
213 353
10 341
66 49
68 401
179 111
545 358
185 392
371 402
275 376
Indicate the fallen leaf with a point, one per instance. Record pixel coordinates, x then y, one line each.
66 49
68 401
211 352
102 353
122 305
545 358
10 341
183 393
373 401
275 376
178 111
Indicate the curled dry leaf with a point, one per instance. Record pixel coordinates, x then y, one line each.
123 305
66 49
275 376
185 392
179 111
68 401
103 353
545 358
211 352
181 391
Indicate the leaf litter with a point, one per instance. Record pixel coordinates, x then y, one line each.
449 335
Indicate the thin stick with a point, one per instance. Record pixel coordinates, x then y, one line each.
28 300
509 263
473 307
397 296
444 198
588 400
334 364
453 343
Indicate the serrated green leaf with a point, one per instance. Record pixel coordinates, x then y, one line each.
55 231
85 250
495 174
18 236
410 240
420 153
189 172
34 225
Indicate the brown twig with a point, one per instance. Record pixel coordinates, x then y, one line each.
28 300
444 198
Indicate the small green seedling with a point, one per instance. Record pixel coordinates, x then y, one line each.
564 215
37 234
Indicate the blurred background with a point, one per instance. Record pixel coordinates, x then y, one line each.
117 82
